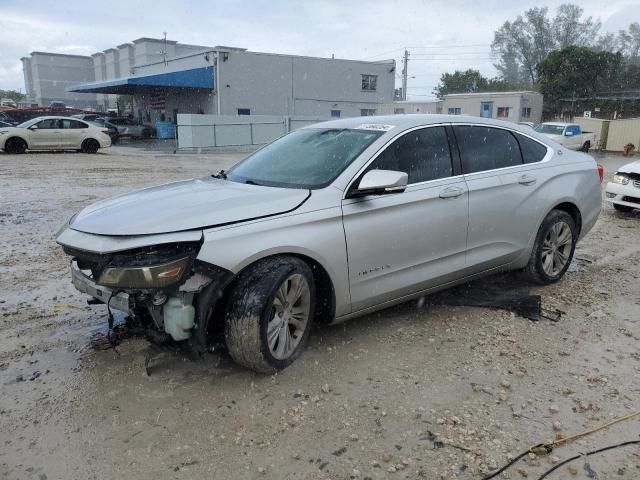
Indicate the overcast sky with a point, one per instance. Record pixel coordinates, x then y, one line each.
441 36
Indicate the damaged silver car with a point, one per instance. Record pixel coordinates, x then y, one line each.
333 221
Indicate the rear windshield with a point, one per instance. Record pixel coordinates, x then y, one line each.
307 158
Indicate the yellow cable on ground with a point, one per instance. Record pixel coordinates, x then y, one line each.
548 445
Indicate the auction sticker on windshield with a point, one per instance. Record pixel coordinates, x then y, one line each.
374 126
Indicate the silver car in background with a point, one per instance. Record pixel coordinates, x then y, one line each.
330 222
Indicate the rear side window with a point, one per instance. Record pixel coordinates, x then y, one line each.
532 151
423 154
486 148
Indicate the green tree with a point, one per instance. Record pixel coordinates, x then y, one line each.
13 95
523 43
577 72
470 81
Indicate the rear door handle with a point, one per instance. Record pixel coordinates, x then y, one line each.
451 192
527 180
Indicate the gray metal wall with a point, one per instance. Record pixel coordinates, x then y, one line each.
208 131
271 84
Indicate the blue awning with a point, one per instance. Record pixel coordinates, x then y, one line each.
193 78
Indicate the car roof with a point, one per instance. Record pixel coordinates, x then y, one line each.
48 117
397 123
559 124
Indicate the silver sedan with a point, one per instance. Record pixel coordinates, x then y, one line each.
330 222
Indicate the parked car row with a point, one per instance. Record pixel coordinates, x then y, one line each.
126 127
54 133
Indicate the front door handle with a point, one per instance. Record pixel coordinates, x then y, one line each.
527 180
451 192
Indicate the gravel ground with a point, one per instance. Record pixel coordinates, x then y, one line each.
417 391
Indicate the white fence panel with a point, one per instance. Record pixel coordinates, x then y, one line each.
205 131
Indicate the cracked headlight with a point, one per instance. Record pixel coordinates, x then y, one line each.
152 276
621 179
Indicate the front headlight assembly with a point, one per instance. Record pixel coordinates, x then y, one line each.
154 276
621 179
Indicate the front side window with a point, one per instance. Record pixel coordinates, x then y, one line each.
485 148
503 112
454 111
48 124
369 82
422 154
367 112
306 158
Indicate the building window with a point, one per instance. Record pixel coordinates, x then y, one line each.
526 112
398 111
369 82
367 112
503 112
454 111
335 113
244 111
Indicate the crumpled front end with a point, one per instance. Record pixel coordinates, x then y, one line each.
158 284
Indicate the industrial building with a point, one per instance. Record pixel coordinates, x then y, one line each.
163 78
515 107
511 106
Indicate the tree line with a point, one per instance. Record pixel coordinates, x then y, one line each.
564 57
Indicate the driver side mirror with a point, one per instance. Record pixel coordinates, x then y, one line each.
376 182
33 127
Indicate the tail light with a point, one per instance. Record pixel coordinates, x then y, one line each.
601 172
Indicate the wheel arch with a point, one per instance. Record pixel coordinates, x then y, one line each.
325 289
572 209
16 137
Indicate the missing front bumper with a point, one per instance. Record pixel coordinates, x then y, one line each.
85 284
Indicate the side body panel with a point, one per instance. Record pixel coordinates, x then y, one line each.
405 242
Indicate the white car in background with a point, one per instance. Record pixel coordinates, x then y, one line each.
54 133
624 191
569 135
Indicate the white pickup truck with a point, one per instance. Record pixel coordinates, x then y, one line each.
569 135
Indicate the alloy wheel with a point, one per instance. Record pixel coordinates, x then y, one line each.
556 248
289 316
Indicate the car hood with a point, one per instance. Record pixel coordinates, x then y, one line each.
186 205
633 167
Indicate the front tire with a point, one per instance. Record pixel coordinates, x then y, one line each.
553 248
90 146
15 145
269 314
586 146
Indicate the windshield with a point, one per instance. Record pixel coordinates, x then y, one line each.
307 158
28 123
550 129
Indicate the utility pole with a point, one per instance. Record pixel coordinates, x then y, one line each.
405 74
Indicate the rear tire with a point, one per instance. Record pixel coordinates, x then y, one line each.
623 208
269 314
586 146
553 248
90 146
15 145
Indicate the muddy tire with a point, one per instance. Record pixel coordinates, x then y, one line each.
622 208
15 145
90 146
269 314
585 147
553 248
